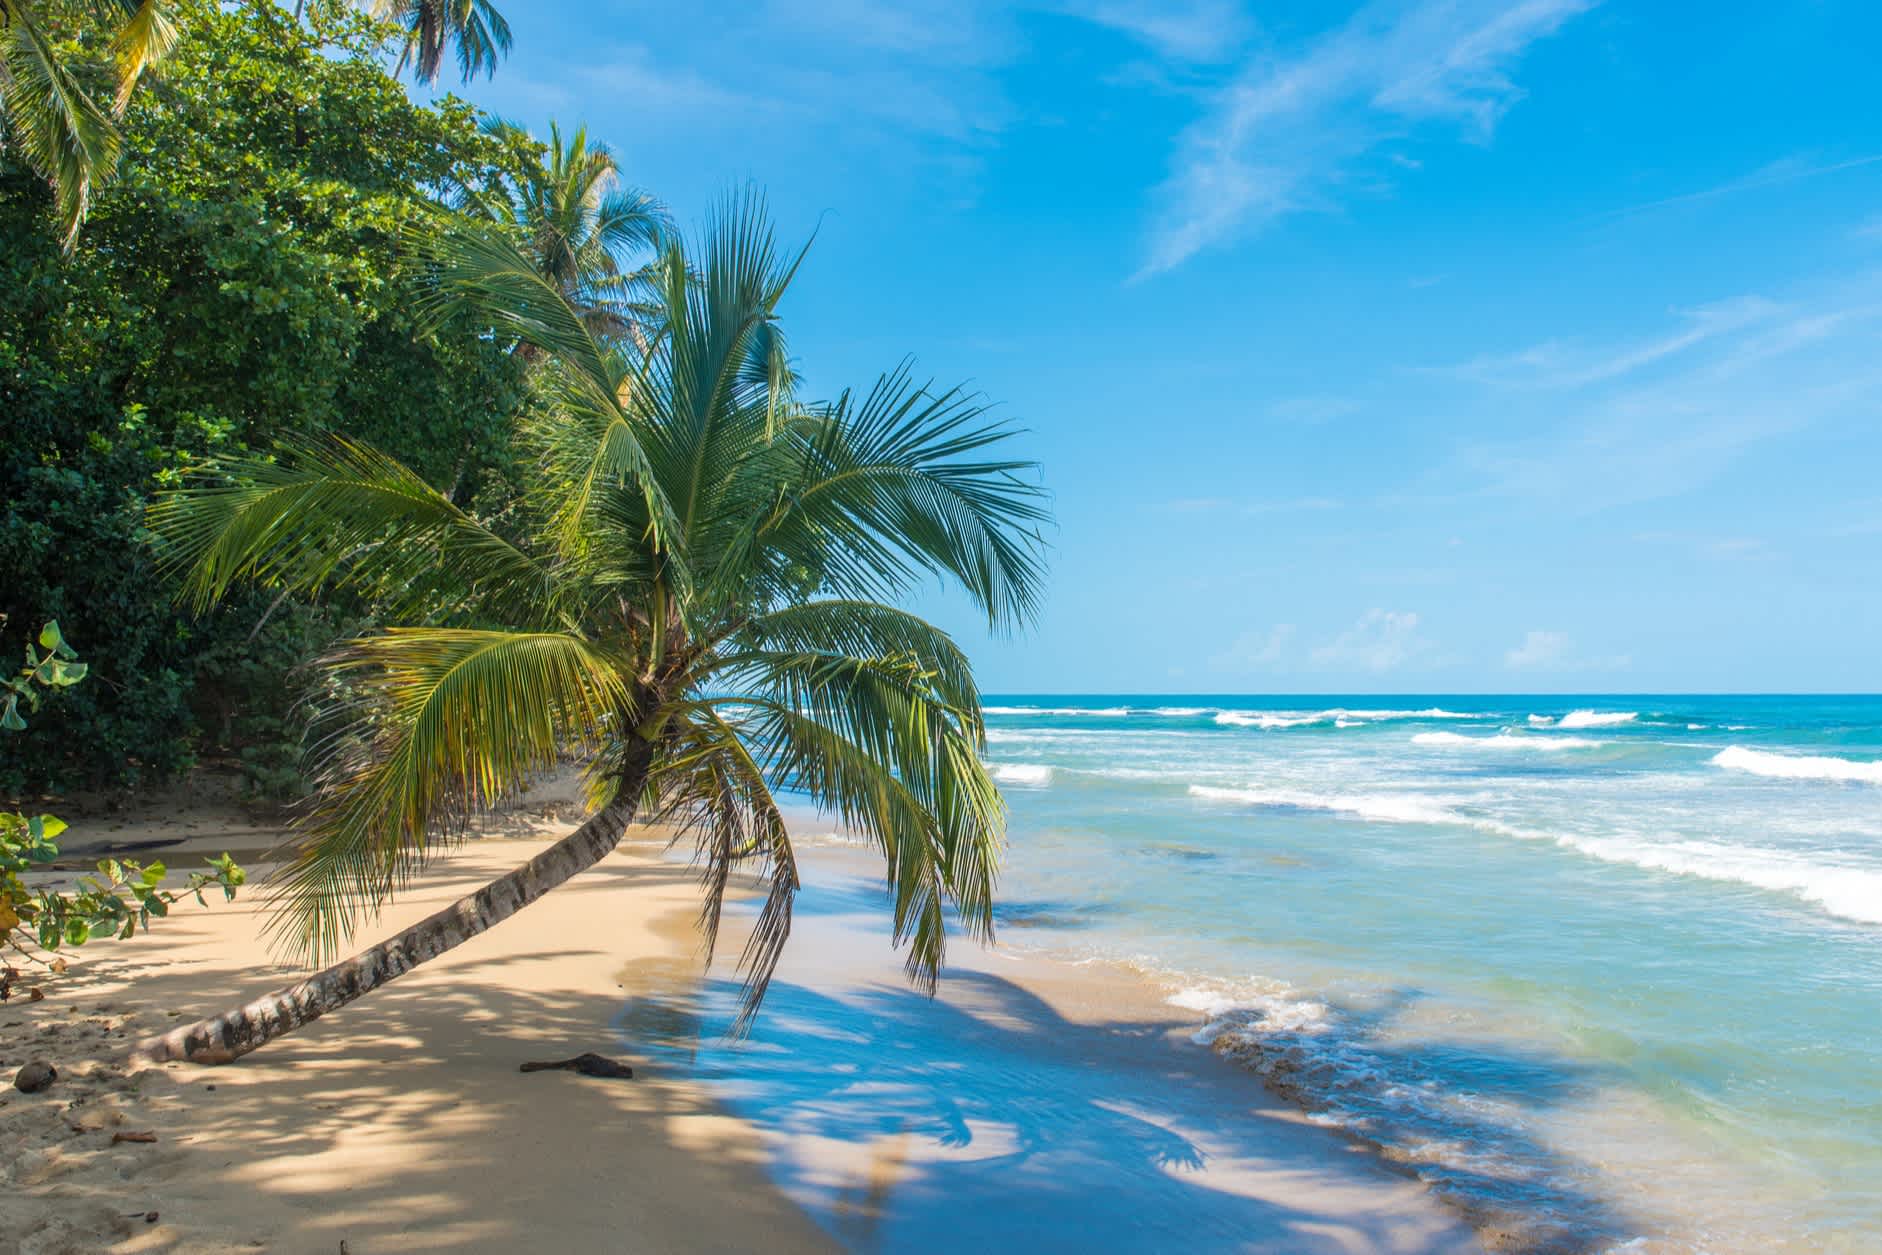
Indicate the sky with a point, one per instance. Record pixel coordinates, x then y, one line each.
1429 346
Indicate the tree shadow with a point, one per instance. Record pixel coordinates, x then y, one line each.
986 1116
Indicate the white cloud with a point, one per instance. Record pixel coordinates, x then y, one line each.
1288 129
1382 640
1539 649
1255 650
1553 651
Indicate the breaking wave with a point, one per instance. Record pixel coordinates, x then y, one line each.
1596 718
1798 766
1504 741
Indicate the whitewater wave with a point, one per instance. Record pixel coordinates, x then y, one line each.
1847 891
1503 741
1852 893
1390 808
1798 766
1338 716
1596 718
1108 712
1023 775
1179 712
1258 719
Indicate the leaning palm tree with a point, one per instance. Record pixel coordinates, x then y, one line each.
582 229
699 606
473 28
65 135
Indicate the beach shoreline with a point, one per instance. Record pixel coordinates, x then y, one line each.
400 1124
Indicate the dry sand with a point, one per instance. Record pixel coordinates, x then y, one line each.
401 1124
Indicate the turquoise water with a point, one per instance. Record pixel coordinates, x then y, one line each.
1615 963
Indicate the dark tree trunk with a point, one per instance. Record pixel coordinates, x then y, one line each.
226 1037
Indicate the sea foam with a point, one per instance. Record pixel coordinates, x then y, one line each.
1503 741
1391 808
1023 775
1798 766
1596 718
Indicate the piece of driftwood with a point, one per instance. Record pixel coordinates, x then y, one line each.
588 1064
132 1137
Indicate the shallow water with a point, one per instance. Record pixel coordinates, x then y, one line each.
1614 963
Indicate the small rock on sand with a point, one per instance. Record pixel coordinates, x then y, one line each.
34 1077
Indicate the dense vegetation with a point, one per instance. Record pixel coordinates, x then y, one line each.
467 460
243 280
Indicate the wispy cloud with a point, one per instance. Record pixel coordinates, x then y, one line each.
1542 650
1660 416
1776 174
1382 640
1553 364
1255 651
1539 649
1199 30
1289 128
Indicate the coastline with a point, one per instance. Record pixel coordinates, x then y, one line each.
1032 1093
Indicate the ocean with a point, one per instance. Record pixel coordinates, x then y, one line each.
1611 962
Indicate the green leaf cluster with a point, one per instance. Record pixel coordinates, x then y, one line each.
124 895
245 280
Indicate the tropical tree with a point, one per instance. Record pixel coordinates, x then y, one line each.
472 28
46 110
699 606
581 228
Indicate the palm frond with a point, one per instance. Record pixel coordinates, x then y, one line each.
900 485
64 135
716 793
436 725
341 511
149 31
474 29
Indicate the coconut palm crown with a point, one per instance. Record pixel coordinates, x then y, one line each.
581 226
473 29
700 605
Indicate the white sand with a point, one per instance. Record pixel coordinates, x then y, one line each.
401 1124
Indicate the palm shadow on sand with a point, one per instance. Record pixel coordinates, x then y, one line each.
984 1117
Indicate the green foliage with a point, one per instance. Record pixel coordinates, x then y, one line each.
693 595
49 109
124 895
245 280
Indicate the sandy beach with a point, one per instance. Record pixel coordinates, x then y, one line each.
1037 1103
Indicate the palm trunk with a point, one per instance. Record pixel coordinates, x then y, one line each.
226 1037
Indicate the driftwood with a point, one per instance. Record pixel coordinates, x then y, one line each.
588 1064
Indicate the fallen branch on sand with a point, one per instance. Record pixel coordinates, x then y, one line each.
588 1064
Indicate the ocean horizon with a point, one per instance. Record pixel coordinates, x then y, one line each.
1609 962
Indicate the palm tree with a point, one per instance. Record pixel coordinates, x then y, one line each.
698 606
581 228
66 136
473 27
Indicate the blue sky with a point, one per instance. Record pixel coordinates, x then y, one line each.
1405 347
